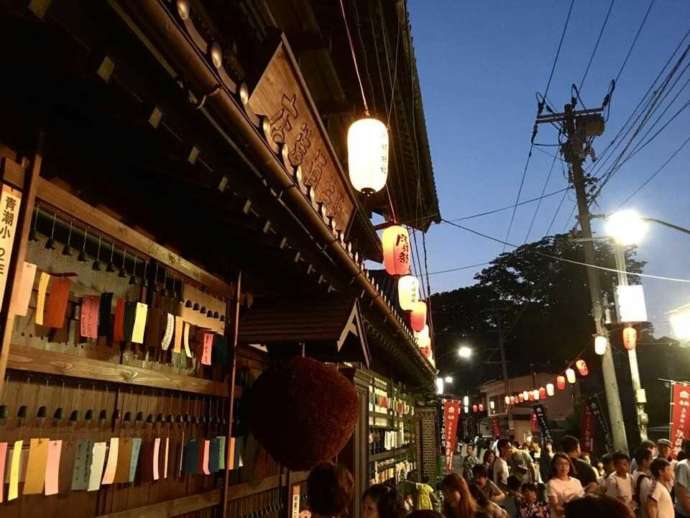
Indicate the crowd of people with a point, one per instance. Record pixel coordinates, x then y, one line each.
522 481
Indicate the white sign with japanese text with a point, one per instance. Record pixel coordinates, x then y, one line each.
631 305
9 213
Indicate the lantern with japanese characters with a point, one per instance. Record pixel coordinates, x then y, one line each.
418 316
550 389
367 155
560 382
423 338
396 250
582 367
570 375
630 338
408 292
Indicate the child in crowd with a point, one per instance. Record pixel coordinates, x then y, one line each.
530 505
491 490
619 484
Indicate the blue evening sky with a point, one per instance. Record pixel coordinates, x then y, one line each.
480 64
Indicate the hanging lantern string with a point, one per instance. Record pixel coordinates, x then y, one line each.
394 217
354 57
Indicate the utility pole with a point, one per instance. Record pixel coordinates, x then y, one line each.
638 392
578 126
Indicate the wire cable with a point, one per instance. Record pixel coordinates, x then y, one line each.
354 57
541 197
596 46
564 259
655 173
634 42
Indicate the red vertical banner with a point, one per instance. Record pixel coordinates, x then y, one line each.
495 427
534 422
451 414
587 428
680 421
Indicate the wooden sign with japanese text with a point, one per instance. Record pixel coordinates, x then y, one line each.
10 199
282 95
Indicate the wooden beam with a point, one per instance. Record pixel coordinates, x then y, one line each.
106 224
33 359
16 263
174 507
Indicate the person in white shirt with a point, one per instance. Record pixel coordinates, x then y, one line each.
619 484
655 499
562 488
682 485
642 477
501 473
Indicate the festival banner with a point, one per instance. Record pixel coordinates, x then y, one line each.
451 414
495 427
680 421
540 413
587 429
595 408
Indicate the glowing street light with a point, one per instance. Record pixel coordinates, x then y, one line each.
465 352
448 379
626 227
680 322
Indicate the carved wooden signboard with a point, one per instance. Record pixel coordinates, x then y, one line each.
281 95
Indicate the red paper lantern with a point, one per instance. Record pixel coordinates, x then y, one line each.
560 382
521 398
475 409
582 367
542 393
481 407
396 250
418 316
630 338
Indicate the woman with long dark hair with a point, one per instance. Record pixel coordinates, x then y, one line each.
458 502
562 488
382 501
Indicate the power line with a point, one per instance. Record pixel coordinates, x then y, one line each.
546 93
508 207
564 259
459 268
655 173
541 197
615 142
634 42
596 45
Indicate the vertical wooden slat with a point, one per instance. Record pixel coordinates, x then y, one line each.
16 262
233 340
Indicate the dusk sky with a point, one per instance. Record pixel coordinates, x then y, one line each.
480 65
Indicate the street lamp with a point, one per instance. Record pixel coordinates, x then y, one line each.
448 379
626 227
465 352
680 322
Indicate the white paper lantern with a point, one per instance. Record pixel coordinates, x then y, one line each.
550 389
525 395
408 292
466 401
367 155
600 345
423 338
507 400
570 375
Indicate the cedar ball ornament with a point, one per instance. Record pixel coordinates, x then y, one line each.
303 412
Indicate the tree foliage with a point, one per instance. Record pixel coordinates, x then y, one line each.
542 304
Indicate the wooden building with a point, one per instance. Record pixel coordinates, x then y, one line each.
183 163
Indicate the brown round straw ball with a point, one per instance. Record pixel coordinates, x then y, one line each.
303 412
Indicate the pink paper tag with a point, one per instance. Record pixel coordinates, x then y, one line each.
208 347
165 459
53 467
88 324
204 460
156 449
3 457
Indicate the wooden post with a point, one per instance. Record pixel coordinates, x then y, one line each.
233 335
17 260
